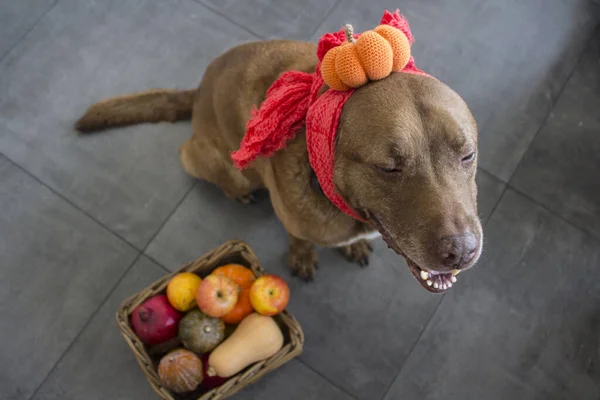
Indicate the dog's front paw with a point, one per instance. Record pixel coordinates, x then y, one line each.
358 252
303 261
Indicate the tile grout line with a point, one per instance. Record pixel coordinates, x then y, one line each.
158 263
484 170
496 204
437 307
554 213
542 124
86 324
558 96
326 379
227 18
413 347
504 191
162 225
97 221
68 201
140 253
510 185
506 188
11 48
168 217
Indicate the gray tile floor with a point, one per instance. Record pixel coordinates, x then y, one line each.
86 221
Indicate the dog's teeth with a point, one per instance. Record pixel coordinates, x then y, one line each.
449 285
424 275
435 285
456 272
429 283
453 279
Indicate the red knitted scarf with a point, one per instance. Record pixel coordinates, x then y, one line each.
293 101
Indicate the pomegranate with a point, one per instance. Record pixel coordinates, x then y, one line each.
155 320
210 382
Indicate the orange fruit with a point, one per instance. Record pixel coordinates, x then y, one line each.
239 274
241 310
181 291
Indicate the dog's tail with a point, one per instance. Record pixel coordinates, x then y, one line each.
155 105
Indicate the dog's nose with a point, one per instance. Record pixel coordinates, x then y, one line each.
457 251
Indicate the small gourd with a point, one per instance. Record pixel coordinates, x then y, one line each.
201 333
373 56
256 338
180 371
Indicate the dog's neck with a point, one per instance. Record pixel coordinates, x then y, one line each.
314 183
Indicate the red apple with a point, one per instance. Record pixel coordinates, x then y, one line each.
210 382
155 320
217 295
269 295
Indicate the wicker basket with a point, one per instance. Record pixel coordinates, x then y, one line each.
231 252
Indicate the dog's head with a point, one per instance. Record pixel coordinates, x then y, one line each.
406 159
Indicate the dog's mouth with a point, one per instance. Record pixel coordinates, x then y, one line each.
432 281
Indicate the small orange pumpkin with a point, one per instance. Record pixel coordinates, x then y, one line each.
399 43
239 274
328 70
181 371
373 56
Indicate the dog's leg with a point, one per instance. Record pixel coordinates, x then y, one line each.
358 252
303 258
202 161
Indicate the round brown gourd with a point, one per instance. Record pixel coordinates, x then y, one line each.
180 371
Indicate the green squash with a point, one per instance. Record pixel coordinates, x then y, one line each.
201 333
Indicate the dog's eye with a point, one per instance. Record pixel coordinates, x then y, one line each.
468 158
389 170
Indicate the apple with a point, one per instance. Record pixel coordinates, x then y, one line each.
269 295
217 295
155 320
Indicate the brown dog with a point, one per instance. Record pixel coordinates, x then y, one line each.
405 159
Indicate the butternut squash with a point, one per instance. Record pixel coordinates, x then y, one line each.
256 338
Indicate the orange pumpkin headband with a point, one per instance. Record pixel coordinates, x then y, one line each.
294 100
371 57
